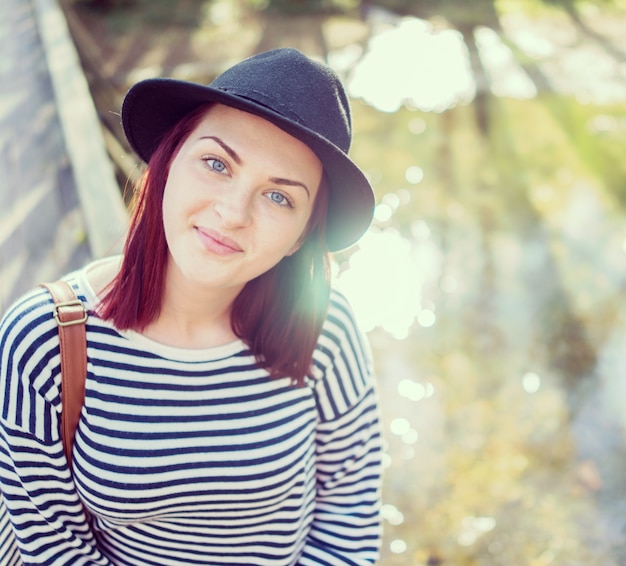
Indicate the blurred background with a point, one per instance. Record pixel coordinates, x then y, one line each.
492 281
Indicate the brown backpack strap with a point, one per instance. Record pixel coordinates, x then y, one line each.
71 315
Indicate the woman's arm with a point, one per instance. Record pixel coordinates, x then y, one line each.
346 523
37 488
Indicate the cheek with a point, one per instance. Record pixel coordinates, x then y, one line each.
171 213
167 206
173 193
292 239
176 199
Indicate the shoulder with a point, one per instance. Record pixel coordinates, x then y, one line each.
342 363
340 329
98 275
29 355
30 316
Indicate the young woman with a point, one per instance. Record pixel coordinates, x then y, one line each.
230 415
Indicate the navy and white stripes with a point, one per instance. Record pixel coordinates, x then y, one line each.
191 457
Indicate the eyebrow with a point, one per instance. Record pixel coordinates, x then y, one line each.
231 152
289 182
235 157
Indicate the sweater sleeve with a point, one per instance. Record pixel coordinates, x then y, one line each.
38 493
346 524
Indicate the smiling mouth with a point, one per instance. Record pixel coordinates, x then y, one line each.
218 243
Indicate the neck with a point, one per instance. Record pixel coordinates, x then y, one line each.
193 316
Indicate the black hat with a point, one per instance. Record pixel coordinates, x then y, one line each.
302 97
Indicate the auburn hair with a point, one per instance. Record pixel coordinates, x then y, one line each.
279 314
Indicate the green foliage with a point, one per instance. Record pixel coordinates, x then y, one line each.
300 7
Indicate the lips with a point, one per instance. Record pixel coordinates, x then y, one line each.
217 243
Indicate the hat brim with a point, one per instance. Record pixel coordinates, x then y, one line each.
152 107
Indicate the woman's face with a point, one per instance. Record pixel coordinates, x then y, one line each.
237 199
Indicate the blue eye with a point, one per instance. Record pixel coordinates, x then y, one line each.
215 164
279 199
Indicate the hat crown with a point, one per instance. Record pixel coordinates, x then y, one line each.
290 84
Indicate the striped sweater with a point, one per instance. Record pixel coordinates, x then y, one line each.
193 457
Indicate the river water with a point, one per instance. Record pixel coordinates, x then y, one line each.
492 285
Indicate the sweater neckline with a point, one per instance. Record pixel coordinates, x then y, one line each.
163 350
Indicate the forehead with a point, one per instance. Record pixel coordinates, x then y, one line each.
255 137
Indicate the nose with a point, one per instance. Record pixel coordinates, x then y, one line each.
234 207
